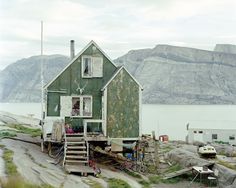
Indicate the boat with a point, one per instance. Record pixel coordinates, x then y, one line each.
207 151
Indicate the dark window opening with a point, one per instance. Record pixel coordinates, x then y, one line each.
214 136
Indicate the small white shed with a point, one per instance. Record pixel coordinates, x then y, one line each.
208 132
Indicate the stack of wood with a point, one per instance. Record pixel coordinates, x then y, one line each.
148 148
57 131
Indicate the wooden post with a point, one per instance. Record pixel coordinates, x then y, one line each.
156 158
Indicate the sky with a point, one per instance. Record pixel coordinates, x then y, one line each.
117 26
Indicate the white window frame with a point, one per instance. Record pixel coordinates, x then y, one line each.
81 97
82 66
92 61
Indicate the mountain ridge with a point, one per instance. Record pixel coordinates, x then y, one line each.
169 75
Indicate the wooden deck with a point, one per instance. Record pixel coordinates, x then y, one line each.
82 169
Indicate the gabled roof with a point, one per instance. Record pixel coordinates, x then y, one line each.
79 54
116 73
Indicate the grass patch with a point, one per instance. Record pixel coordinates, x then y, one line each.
222 153
226 164
11 168
173 168
7 134
144 183
117 183
155 179
19 182
133 174
26 130
158 179
172 180
166 149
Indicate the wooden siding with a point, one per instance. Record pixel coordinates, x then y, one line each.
123 107
71 76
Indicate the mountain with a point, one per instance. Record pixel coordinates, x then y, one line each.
20 81
169 75
180 75
226 48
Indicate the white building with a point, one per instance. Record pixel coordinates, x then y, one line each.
211 132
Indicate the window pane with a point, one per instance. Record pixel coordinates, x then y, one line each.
87 65
87 106
75 107
214 136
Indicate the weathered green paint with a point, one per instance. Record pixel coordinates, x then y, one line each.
67 81
123 107
122 97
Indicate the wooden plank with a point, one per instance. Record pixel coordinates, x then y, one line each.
177 173
79 169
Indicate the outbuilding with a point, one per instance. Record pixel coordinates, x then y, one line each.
210 132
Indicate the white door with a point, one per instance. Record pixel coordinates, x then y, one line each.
198 136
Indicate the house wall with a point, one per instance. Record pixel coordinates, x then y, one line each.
68 83
222 135
122 92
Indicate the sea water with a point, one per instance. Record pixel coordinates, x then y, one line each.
163 119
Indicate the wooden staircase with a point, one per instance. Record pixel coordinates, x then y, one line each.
76 154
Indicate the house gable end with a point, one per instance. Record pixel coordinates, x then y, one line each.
70 82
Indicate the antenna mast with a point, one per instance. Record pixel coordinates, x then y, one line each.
42 84
42 81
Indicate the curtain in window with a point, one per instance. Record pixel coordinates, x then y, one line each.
87 106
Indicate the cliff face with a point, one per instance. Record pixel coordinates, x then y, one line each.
226 48
179 75
20 81
169 75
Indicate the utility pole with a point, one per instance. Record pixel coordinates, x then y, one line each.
42 85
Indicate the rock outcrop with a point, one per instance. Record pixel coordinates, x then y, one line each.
20 81
226 48
179 75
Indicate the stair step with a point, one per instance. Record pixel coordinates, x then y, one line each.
69 139
74 134
75 161
76 147
76 157
73 143
76 152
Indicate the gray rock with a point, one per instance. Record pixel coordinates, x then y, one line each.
185 158
226 48
20 81
179 75
227 177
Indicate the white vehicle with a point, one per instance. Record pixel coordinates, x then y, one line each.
207 151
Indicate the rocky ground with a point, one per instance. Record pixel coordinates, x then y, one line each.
36 167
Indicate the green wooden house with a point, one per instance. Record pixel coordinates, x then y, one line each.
95 97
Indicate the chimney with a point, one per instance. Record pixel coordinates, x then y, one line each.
72 49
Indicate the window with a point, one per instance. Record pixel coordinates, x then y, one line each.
200 132
87 67
92 66
231 137
82 106
214 136
195 132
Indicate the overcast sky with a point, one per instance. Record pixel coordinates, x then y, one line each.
116 25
